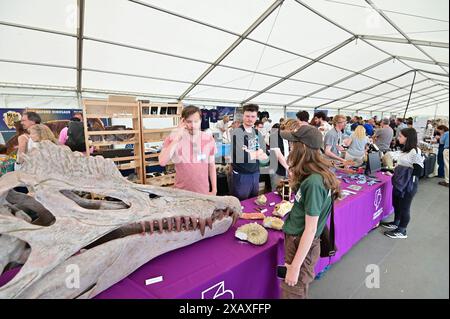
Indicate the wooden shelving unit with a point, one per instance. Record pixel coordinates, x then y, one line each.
170 111
117 107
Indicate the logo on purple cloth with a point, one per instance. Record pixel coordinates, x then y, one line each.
217 292
377 203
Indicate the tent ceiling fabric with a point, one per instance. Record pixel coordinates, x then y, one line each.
301 53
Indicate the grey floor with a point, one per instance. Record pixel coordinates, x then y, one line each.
416 267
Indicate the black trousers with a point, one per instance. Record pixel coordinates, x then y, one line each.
402 206
440 160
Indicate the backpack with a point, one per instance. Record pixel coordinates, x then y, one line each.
75 137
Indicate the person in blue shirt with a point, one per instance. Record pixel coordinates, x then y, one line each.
348 127
440 130
369 126
355 123
444 141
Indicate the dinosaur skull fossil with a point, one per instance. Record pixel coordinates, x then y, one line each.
106 239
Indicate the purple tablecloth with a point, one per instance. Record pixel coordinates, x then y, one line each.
358 214
224 267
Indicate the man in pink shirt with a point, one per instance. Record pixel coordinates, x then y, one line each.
192 151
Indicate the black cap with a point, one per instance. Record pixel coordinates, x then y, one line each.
306 134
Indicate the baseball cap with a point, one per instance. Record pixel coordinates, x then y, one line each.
306 134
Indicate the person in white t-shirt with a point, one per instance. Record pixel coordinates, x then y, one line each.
223 126
25 142
405 183
279 152
267 125
324 126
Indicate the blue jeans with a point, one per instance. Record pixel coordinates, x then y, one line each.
245 186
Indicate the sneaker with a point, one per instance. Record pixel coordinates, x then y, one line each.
396 234
390 226
443 184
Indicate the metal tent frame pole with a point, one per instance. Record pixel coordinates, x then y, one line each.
363 37
343 79
410 93
385 17
365 89
236 43
334 49
395 103
80 34
434 44
350 32
386 108
417 107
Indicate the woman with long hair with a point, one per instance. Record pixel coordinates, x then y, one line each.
405 182
22 143
41 132
316 187
357 144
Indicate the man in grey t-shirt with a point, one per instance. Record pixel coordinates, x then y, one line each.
333 139
383 137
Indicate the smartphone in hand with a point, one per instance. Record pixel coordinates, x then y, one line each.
281 272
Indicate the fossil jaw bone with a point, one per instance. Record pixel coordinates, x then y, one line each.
55 176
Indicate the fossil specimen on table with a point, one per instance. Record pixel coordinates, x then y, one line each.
254 233
281 209
81 211
261 200
273 222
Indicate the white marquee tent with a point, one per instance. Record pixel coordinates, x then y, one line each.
346 56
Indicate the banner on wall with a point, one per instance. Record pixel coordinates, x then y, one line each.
226 110
9 116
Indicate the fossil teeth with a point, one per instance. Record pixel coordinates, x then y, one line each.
202 226
174 223
194 223
209 222
187 222
217 213
98 186
151 227
169 224
160 224
235 218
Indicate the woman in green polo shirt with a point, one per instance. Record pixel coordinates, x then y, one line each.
314 184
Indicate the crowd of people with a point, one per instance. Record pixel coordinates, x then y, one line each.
301 151
304 152
30 131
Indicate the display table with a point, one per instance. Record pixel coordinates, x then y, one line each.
357 215
224 267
